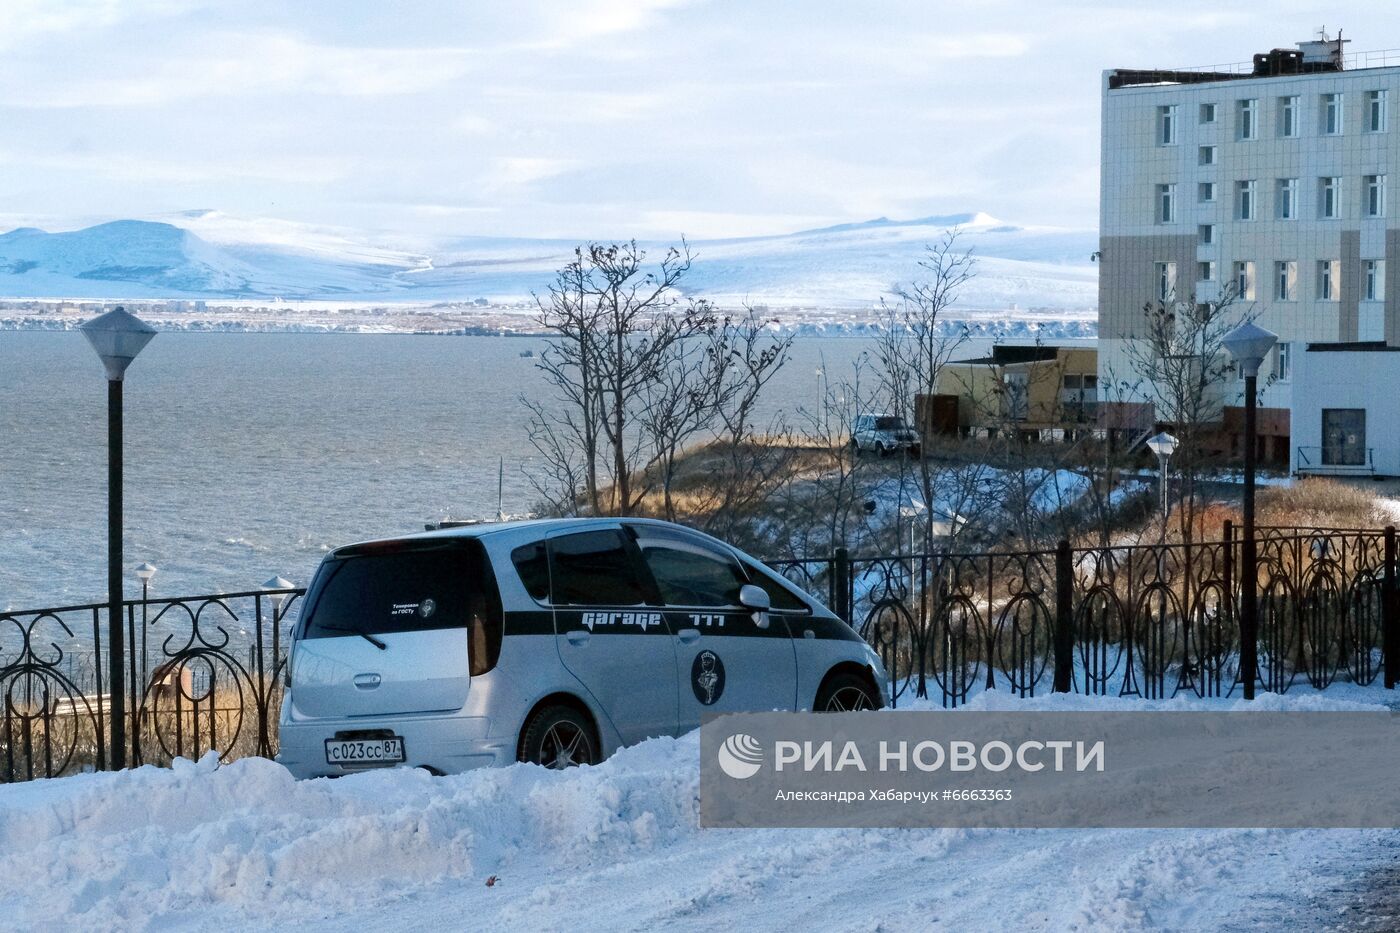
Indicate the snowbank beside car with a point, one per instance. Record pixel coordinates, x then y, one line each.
611 847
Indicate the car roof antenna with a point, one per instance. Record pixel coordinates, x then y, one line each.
501 490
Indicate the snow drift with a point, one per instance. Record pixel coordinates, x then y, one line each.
614 847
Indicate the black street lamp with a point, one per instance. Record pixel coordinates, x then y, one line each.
118 337
1248 344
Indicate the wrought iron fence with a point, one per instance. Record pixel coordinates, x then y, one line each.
202 673
205 673
1151 621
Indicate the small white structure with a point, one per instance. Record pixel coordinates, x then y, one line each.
1346 410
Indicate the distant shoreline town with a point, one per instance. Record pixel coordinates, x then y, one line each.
480 318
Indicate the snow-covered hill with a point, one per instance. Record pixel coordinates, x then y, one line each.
205 254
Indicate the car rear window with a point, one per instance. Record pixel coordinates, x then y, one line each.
389 588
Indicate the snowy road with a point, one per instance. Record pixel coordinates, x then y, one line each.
617 847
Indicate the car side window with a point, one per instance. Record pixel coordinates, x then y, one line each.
779 594
689 575
532 563
594 568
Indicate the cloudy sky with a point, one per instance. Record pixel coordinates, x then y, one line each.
589 117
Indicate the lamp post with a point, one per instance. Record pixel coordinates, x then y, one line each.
277 599
1248 344
1163 445
117 336
144 574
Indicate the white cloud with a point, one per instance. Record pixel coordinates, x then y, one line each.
236 65
522 171
25 21
589 117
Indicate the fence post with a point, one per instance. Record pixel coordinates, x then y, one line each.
1390 624
841 582
1064 618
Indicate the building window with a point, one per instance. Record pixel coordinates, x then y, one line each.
1244 200
1329 200
1286 203
1247 119
1205 192
1207 155
1244 281
1206 270
1206 233
1344 436
1375 279
1283 360
1375 111
1207 113
1374 192
1166 204
1166 281
1288 116
1329 274
1166 125
1331 114
1286 281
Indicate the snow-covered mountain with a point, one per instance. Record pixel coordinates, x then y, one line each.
205 254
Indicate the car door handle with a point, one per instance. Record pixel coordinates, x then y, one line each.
577 637
688 635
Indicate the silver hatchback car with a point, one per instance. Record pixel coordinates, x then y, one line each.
554 641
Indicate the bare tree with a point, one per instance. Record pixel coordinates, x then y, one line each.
822 508
566 431
1181 367
744 357
916 342
617 327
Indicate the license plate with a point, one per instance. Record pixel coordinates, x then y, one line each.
365 751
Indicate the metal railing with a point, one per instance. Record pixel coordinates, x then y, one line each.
205 672
202 673
1328 460
1145 620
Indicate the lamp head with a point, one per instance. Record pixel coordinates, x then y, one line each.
1248 344
278 583
145 572
1163 444
117 336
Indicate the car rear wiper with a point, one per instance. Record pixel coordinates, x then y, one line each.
350 631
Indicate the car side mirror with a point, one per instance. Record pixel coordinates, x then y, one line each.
755 598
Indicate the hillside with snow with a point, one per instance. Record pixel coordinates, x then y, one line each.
208 255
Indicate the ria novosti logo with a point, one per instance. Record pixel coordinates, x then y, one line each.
741 756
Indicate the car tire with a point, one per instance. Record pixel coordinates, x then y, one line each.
847 692
559 737
855 447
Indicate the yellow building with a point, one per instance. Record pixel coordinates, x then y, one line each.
1024 389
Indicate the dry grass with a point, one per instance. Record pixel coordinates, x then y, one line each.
1320 503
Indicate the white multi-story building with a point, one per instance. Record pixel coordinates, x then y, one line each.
1277 179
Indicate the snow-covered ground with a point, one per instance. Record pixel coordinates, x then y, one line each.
617 847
